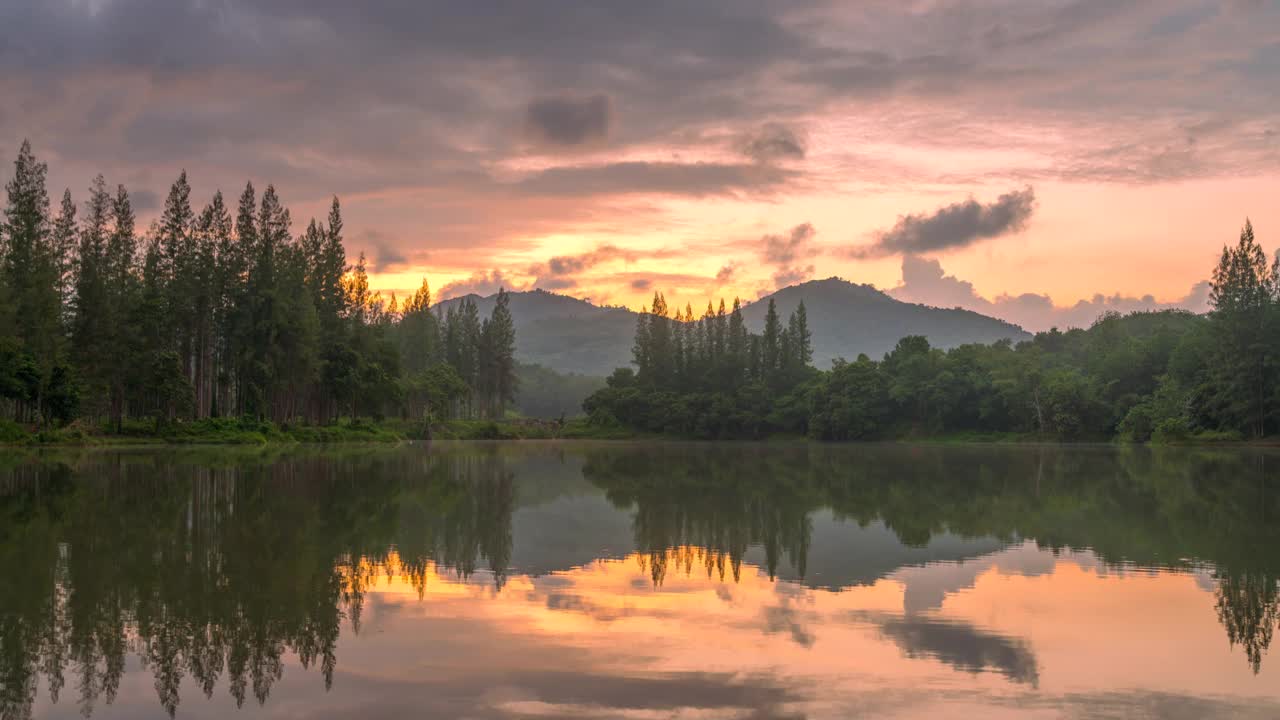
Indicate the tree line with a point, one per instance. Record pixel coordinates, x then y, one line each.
221 313
1169 375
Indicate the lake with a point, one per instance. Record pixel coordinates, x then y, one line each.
597 580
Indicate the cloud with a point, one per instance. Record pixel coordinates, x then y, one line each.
954 226
785 251
641 284
568 121
446 96
726 273
384 256
925 282
697 179
960 645
771 142
482 283
560 272
793 275
144 200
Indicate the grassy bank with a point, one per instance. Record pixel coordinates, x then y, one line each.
212 431
243 431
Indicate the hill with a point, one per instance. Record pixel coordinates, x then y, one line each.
848 319
566 334
571 335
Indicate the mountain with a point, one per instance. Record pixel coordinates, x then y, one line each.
572 335
564 333
847 319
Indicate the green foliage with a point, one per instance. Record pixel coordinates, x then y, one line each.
209 316
11 432
1132 377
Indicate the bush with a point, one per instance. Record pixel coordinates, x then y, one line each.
1217 436
1171 430
1139 424
12 432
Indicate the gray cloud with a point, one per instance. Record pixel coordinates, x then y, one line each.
559 273
482 283
138 88
384 256
784 252
784 249
961 646
568 121
641 284
954 226
925 282
672 178
726 273
771 142
144 200
793 275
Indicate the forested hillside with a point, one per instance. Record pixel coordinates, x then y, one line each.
573 336
1160 375
849 320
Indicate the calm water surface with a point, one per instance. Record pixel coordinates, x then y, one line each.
640 581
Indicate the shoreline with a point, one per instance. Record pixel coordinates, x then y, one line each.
242 433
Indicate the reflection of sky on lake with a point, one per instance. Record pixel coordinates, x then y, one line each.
1009 632
603 606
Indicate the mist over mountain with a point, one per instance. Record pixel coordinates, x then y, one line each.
571 335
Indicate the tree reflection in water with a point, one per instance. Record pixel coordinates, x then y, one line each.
216 566
203 568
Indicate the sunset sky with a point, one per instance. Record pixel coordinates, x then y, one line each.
1012 156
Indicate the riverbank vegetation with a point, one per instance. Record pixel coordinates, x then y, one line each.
1167 376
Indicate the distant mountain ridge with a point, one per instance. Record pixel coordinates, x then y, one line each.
848 319
572 335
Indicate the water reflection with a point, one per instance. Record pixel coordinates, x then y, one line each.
960 645
206 569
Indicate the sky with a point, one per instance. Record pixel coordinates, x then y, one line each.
1037 160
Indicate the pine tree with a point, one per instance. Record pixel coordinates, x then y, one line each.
91 328
801 338
179 256
226 271
30 273
64 248
262 350
468 367
1241 296
121 295
204 283
660 349
236 258
641 350
419 334
500 363
770 342
737 343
